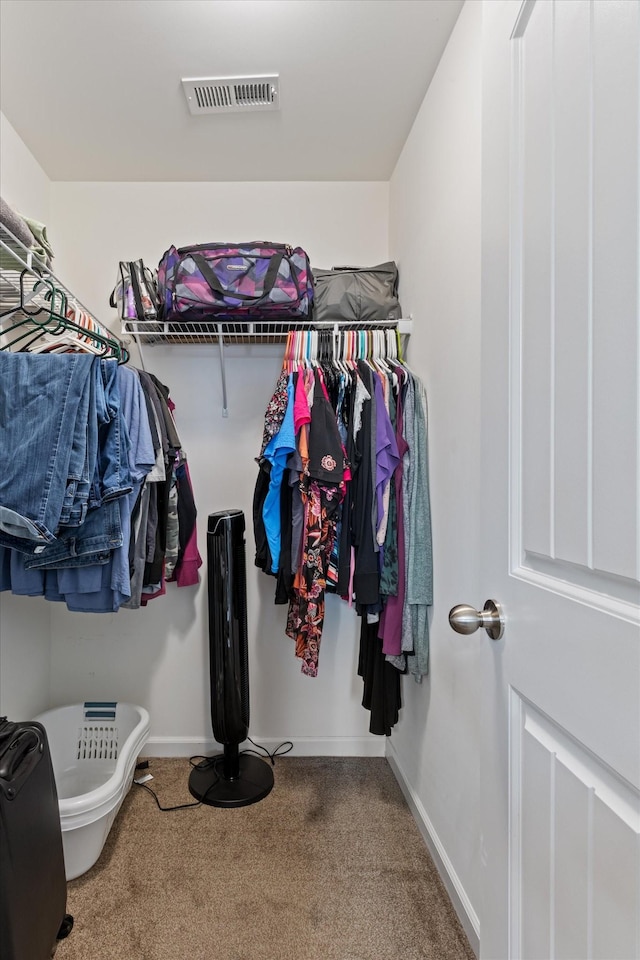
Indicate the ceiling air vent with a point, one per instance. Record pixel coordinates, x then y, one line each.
232 94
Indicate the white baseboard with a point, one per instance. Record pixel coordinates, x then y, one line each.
302 746
329 746
179 747
459 899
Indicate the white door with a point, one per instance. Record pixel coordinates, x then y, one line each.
561 532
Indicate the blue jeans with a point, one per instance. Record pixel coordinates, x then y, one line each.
82 461
54 493
113 442
105 468
81 546
40 436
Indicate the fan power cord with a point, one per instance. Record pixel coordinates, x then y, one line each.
280 751
144 765
205 763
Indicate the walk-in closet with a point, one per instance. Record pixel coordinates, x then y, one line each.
324 627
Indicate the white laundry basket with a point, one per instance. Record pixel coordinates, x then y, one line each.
94 746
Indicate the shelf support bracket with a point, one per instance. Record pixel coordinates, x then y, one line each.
225 408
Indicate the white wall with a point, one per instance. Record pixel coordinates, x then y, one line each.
158 656
25 185
24 622
435 238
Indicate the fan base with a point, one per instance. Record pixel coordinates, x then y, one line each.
253 782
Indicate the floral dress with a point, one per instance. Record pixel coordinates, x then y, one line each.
306 610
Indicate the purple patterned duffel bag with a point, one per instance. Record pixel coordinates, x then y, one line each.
235 282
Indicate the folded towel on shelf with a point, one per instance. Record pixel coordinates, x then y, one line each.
42 247
15 224
20 230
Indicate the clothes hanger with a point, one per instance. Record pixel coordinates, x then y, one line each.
378 354
27 303
33 317
312 347
353 348
339 353
287 360
365 349
345 355
387 346
376 357
72 336
43 311
301 348
83 320
67 341
390 344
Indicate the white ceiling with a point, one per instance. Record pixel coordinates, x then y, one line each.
93 86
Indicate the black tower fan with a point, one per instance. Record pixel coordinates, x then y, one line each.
229 780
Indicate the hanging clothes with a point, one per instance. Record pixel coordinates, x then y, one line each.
276 452
87 520
352 514
390 629
322 488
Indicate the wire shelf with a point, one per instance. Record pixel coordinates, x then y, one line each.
225 333
35 303
241 332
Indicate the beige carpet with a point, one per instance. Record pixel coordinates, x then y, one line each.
329 866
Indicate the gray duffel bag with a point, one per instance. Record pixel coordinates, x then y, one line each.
356 294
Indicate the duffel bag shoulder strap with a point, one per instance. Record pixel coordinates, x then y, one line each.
216 286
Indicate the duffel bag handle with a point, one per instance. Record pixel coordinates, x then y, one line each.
112 299
216 286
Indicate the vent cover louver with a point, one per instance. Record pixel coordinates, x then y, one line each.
232 94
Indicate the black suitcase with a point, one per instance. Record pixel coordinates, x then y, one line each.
33 890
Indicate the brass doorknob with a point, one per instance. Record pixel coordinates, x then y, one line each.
466 619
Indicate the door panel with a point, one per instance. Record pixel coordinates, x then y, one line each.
560 478
569 249
615 286
575 846
574 324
